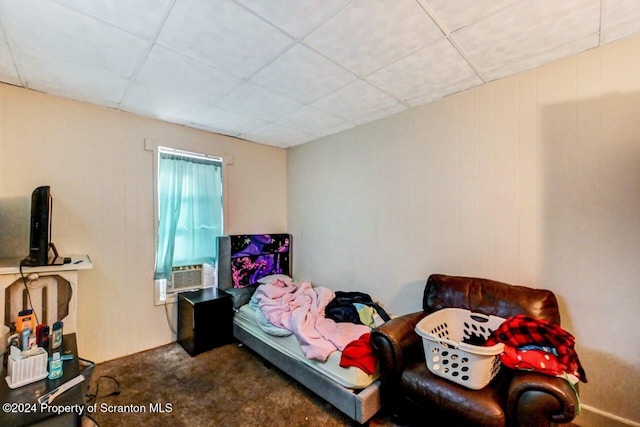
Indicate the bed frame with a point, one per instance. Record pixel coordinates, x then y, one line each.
266 254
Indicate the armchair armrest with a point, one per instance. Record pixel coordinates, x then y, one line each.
397 343
536 399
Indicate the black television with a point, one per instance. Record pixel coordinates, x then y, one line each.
40 232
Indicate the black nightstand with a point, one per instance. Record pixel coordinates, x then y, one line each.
205 320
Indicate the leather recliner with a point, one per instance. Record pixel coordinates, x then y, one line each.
513 398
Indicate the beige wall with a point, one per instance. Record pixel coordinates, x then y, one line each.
102 181
532 179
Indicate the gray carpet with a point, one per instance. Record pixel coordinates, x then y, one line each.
227 386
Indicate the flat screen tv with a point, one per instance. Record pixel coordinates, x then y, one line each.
40 233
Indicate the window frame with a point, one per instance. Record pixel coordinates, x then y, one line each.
161 296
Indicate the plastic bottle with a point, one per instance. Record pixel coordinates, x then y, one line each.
26 333
56 335
55 366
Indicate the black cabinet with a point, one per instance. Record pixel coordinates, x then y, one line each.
22 407
204 320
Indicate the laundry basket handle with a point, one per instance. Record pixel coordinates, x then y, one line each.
479 317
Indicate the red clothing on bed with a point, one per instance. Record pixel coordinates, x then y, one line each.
359 353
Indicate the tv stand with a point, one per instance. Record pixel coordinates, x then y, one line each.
10 273
55 259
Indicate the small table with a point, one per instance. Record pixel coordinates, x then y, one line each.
23 408
205 320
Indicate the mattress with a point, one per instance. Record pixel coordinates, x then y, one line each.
352 377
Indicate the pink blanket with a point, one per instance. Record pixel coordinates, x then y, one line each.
300 309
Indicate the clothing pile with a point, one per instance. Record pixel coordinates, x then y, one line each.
322 320
358 308
537 345
299 309
355 307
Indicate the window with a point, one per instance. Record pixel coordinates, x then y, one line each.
190 210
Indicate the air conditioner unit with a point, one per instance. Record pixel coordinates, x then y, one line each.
185 278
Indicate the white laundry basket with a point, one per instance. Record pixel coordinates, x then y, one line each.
447 356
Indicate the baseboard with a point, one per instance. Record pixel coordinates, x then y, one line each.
591 416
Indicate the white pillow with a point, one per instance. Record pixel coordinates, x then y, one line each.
267 280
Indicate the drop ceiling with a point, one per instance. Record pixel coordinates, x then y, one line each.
286 72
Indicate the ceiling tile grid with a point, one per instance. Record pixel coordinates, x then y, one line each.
160 103
380 113
459 13
434 95
297 18
529 62
313 121
282 72
223 34
431 68
302 75
370 34
355 100
140 17
58 77
278 136
258 102
497 40
54 30
225 122
173 71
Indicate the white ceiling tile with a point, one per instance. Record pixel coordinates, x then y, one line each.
428 70
8 72
61 32
379 114
624 29
341 127
302 75
444 91
621 19
539 59
295 17
141 17
226 122
279 136
356 100
172 71
223 34
160 103
369 34
311 120
253 100
499 40
57 77
458 13
619 11
425 99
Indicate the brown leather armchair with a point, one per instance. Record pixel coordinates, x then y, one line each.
513 398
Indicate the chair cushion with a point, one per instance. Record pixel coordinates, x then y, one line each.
454 402
489 297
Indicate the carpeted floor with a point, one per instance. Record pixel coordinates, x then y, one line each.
227 386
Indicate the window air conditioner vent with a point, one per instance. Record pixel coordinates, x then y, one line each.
186 277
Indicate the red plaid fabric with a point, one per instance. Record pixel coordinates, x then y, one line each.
522 330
